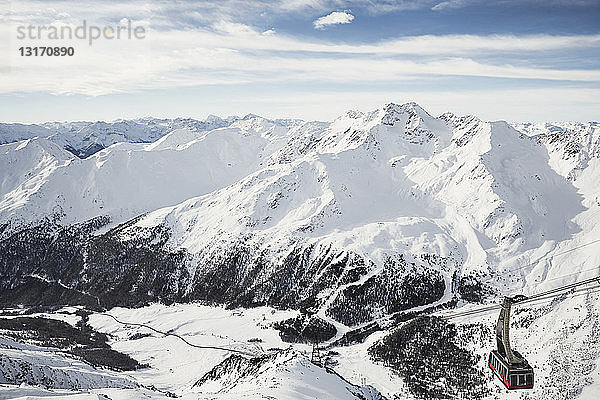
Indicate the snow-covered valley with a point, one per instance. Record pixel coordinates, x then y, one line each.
266 235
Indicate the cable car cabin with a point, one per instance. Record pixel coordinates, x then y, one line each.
508 364
513 376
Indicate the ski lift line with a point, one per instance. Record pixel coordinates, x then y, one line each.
484 310
180 337
576 248
481 312
552 293
560 289
579 292
542 258
472 312
573 273
574 293
551 296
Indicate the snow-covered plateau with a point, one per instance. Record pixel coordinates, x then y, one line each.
371 235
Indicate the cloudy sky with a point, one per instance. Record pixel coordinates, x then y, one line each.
312 59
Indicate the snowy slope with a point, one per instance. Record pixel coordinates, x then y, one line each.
355 221
47 367
86 138
479 196
287 375
127 179
16 132
194 373
563 351
402 191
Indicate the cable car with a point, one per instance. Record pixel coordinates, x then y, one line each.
509 365
513 376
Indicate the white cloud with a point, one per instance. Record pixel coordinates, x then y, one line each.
336 17
232 28
449 4
233 53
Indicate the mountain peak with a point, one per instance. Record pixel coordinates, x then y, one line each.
251 116
410 106
393 112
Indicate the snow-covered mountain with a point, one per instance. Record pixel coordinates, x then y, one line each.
86 138
355 222
128 178
39 366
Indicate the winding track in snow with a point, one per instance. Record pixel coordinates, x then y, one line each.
180 337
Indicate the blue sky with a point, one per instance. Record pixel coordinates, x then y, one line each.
312 59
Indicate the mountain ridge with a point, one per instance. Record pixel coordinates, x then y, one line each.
358 224
321 185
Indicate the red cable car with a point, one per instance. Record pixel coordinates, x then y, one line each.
509 365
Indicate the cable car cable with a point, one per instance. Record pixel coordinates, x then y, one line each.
551 294
542 258
592 290
560 289
573 273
